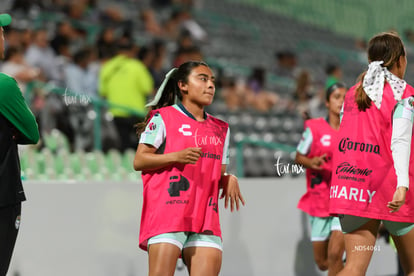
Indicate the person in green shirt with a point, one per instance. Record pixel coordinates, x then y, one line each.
17 126
334 75
125 82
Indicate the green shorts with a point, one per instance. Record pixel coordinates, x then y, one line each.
321 228
188 239
351 223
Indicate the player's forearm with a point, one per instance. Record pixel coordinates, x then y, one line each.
153 161
401 149
303 160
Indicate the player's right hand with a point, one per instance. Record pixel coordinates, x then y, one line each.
317 162
397 200
189 155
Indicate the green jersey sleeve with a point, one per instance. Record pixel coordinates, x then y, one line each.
405 109
305 143
154 133
14 108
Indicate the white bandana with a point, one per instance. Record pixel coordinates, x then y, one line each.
374 83
160 90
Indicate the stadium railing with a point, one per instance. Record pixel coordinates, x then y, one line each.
97 103
47 160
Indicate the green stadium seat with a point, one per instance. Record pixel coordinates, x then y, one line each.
128 160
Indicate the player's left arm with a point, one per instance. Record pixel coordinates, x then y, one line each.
402 129
229 182
14 108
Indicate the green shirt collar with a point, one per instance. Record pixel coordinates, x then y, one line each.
183 109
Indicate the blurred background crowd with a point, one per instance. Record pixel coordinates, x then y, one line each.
88 67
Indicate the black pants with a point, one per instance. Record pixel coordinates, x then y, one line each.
127 132
9 227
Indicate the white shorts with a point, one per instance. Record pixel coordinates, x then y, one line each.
188 239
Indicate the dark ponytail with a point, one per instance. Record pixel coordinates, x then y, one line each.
361 98
167 98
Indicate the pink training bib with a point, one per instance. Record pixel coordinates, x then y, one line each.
363 178
184 197
315 201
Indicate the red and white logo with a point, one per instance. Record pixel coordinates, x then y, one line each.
152 126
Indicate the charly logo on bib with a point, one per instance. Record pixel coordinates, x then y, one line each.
184 131
326 140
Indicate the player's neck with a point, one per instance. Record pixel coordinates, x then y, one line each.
334 120
196 110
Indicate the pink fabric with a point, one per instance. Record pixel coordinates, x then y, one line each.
184 197
315 201
364 179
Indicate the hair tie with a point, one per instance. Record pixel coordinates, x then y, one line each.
160 90
374 79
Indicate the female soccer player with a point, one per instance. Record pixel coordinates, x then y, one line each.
183 154
371 172
314 152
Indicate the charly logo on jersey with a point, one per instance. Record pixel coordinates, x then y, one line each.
347 144
326 140
184 129
177 185
351 193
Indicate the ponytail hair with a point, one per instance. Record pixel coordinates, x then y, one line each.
169 92
387 47
361 98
